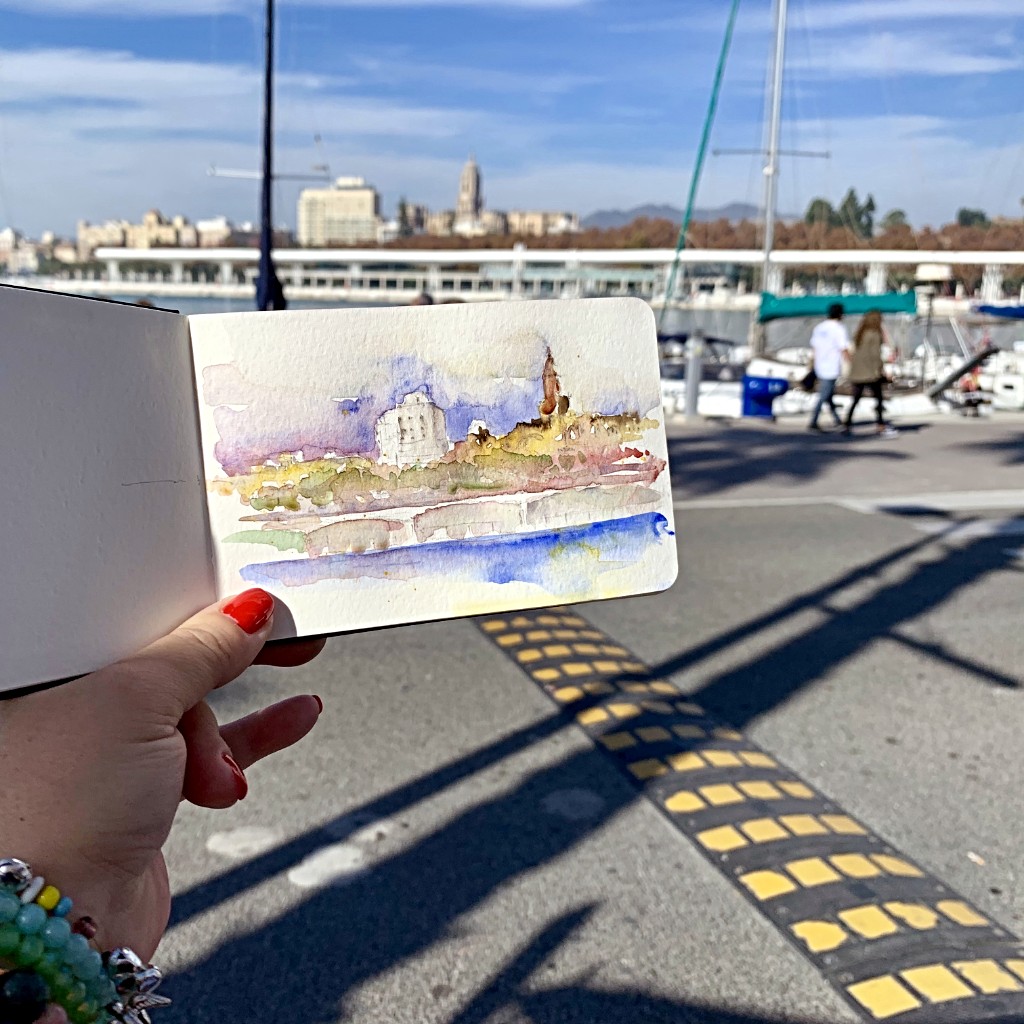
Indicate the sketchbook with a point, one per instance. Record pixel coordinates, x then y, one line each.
368 467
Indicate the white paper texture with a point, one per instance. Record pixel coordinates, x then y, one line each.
105 543
378 466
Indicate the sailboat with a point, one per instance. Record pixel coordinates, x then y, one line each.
269 292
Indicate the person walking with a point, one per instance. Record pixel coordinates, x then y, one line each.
867 370
829 341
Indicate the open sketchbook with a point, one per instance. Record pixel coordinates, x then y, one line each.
367 466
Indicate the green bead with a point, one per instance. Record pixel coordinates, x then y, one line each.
10 939
84 1013
76 994
55 933
9 905
31 918
61 983
30 951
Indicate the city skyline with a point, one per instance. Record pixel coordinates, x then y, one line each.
110 107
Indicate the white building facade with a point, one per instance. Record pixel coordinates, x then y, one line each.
346 214
413 433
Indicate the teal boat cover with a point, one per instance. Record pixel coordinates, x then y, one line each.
774 308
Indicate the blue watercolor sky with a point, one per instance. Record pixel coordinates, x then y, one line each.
109 107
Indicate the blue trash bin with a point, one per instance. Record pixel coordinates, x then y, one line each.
759 393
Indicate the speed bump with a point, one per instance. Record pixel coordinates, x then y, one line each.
895 942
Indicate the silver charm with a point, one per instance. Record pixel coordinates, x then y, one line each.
15 874
135 983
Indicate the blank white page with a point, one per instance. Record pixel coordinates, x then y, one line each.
105 544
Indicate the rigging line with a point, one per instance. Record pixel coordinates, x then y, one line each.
702 151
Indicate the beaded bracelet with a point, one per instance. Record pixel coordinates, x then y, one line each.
51 960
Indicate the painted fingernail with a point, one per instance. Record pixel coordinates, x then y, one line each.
241 786
251 609
319 704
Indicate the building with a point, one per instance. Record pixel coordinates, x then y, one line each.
440 223
536 223
346 214
91 237
18 255
154 232
413 433
214 232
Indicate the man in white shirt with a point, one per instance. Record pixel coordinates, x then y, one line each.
829 342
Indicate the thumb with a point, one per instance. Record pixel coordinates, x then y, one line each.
206 651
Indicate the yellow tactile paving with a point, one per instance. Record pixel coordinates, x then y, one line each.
987 976
721 840
576 668
557 651
896 866
764 830
494 626
607 666
937 983
566 694
883 997
820 936
855 865
798 790
564 634
617 740
685 802
624 710
766 885
592 716
721 759
634 687
528 655
689 732
812 871
658 686
961 913
843 825
659 707
547 675
602 688
869 922
721 795
509 639
688 708
589 649
548 620
914 915
760 790
653 734
758 760
537 635
591 634
614 650
803 825
1017 966
649 768
686 761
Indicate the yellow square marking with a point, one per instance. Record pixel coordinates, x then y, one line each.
797 790
521 622
766 885
938 984
564 634
760 790
659 707
586 648
587 634
536 635
599 687
662 687
855 865
530 654
820 936
721 795
721 840
812 871
576 668
957 910
509 639
883 997
557 651
764 830
727 734
617 741
605 666
689 732
871 922
566 694
687 708
653 734
1017 966
636 688
684 802
758 760
914 915
624 710
548 620
573 620
988 976
686 761
635 666
803 825
495 626
615 651
896 866
650 768
546 675
592 716
722 759
843 825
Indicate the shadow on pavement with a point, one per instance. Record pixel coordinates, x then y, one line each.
1012 448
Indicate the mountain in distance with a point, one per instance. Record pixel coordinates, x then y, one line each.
662 211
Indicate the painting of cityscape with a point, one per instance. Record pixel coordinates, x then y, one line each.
483 462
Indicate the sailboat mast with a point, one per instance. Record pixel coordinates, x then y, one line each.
771 167
269 293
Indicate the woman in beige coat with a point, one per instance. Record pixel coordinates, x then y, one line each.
866 369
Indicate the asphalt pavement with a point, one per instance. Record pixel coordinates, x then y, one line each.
459 842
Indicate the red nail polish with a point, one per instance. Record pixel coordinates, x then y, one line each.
251 609
241 786
319 704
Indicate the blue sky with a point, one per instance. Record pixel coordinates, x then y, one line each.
108 107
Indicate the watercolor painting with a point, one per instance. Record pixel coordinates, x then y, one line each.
475 456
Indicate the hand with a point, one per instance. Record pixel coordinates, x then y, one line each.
93 770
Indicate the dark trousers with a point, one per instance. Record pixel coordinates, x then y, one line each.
875 387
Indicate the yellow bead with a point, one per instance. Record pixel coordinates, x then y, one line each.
49 897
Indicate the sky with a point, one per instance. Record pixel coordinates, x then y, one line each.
111 107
